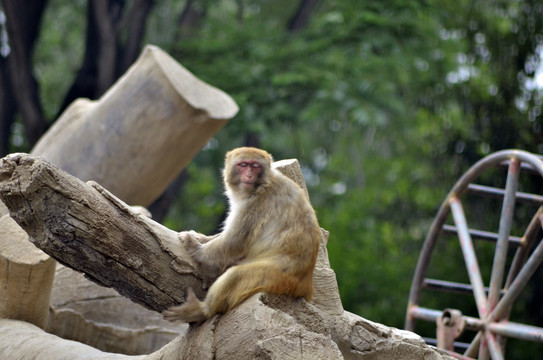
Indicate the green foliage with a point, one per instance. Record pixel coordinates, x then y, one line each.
375 100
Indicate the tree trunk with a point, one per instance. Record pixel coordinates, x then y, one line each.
108 53
191 19
7 107
23 21
135 19
106 13
85 84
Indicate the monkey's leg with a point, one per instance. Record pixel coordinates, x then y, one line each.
193 310
240 282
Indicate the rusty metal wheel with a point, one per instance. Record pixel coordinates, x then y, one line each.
493 304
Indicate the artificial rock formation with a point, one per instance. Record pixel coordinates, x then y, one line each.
85 227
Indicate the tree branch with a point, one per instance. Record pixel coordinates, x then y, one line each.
85 227
300 19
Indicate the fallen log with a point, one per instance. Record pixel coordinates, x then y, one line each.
87 228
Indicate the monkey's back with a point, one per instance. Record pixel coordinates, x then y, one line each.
291 229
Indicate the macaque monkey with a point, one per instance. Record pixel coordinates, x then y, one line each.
269 243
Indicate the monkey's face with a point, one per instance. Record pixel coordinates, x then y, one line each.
246 169
249 173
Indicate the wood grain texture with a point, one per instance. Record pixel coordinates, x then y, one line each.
85 227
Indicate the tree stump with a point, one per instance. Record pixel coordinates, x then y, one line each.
27 275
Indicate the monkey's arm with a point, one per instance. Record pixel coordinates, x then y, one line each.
200 238
207 239
218 250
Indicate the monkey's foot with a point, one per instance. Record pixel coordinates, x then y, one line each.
193 310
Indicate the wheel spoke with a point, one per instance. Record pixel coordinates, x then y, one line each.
469 256
474 346
517 331
522 252
484 354
498 267
493 346
519 283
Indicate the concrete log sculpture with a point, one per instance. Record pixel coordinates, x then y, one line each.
141 133
133 140
89 229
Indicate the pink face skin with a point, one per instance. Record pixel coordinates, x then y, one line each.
248 171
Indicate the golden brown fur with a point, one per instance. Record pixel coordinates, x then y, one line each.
269 243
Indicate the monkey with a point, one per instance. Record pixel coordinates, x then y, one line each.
269 243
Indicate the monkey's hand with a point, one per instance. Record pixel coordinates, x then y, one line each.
201 238
196 245
191 243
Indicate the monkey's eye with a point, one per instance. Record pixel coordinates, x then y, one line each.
256 165
243 164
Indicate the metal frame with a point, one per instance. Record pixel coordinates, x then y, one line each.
493 322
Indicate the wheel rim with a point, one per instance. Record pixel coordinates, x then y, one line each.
493 304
